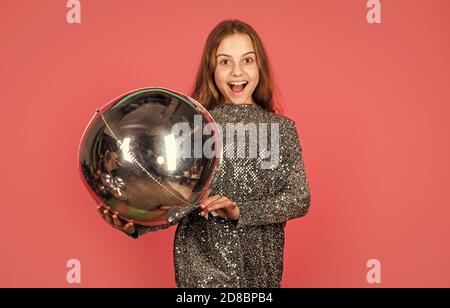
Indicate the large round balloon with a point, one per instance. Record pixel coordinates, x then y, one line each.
150 155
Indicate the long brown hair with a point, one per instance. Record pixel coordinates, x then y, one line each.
205 90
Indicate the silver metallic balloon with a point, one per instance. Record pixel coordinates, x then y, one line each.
132 161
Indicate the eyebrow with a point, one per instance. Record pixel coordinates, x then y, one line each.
228 56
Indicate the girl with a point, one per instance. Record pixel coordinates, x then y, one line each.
241 243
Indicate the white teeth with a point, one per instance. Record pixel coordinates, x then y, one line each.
238 83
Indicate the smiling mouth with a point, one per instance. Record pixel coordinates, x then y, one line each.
238 88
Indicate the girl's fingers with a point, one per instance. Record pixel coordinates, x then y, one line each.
214 203
107 217
129 228
219 205
209 200
100 211
117 222
114 220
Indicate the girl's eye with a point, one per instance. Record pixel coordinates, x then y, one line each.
248 60
224 62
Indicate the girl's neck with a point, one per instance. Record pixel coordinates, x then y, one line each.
239 104
251 102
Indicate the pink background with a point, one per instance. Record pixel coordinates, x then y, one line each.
371 102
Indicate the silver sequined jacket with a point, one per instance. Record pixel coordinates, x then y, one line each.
219 252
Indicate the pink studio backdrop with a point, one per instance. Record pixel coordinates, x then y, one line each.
371 103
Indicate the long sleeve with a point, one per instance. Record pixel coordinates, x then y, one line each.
178 217
141 230
294 197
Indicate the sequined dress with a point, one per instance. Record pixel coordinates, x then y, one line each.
220 252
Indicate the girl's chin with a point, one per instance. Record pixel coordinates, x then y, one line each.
237 102
237 98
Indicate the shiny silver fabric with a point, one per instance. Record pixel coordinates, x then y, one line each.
218 252
130 162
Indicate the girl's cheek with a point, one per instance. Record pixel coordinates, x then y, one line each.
222 70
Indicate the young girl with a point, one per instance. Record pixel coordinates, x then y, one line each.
241 243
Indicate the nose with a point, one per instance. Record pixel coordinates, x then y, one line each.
237 71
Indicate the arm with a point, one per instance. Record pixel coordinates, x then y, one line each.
294 197
134 230
174 218
141 230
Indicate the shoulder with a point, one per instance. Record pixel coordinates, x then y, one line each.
283 119
288 135
287 124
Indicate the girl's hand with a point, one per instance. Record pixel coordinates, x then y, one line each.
114 221
223 206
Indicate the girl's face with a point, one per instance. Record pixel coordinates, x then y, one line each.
236 72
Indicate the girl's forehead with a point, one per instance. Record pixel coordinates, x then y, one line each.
235 44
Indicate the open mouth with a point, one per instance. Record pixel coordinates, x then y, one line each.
237 87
